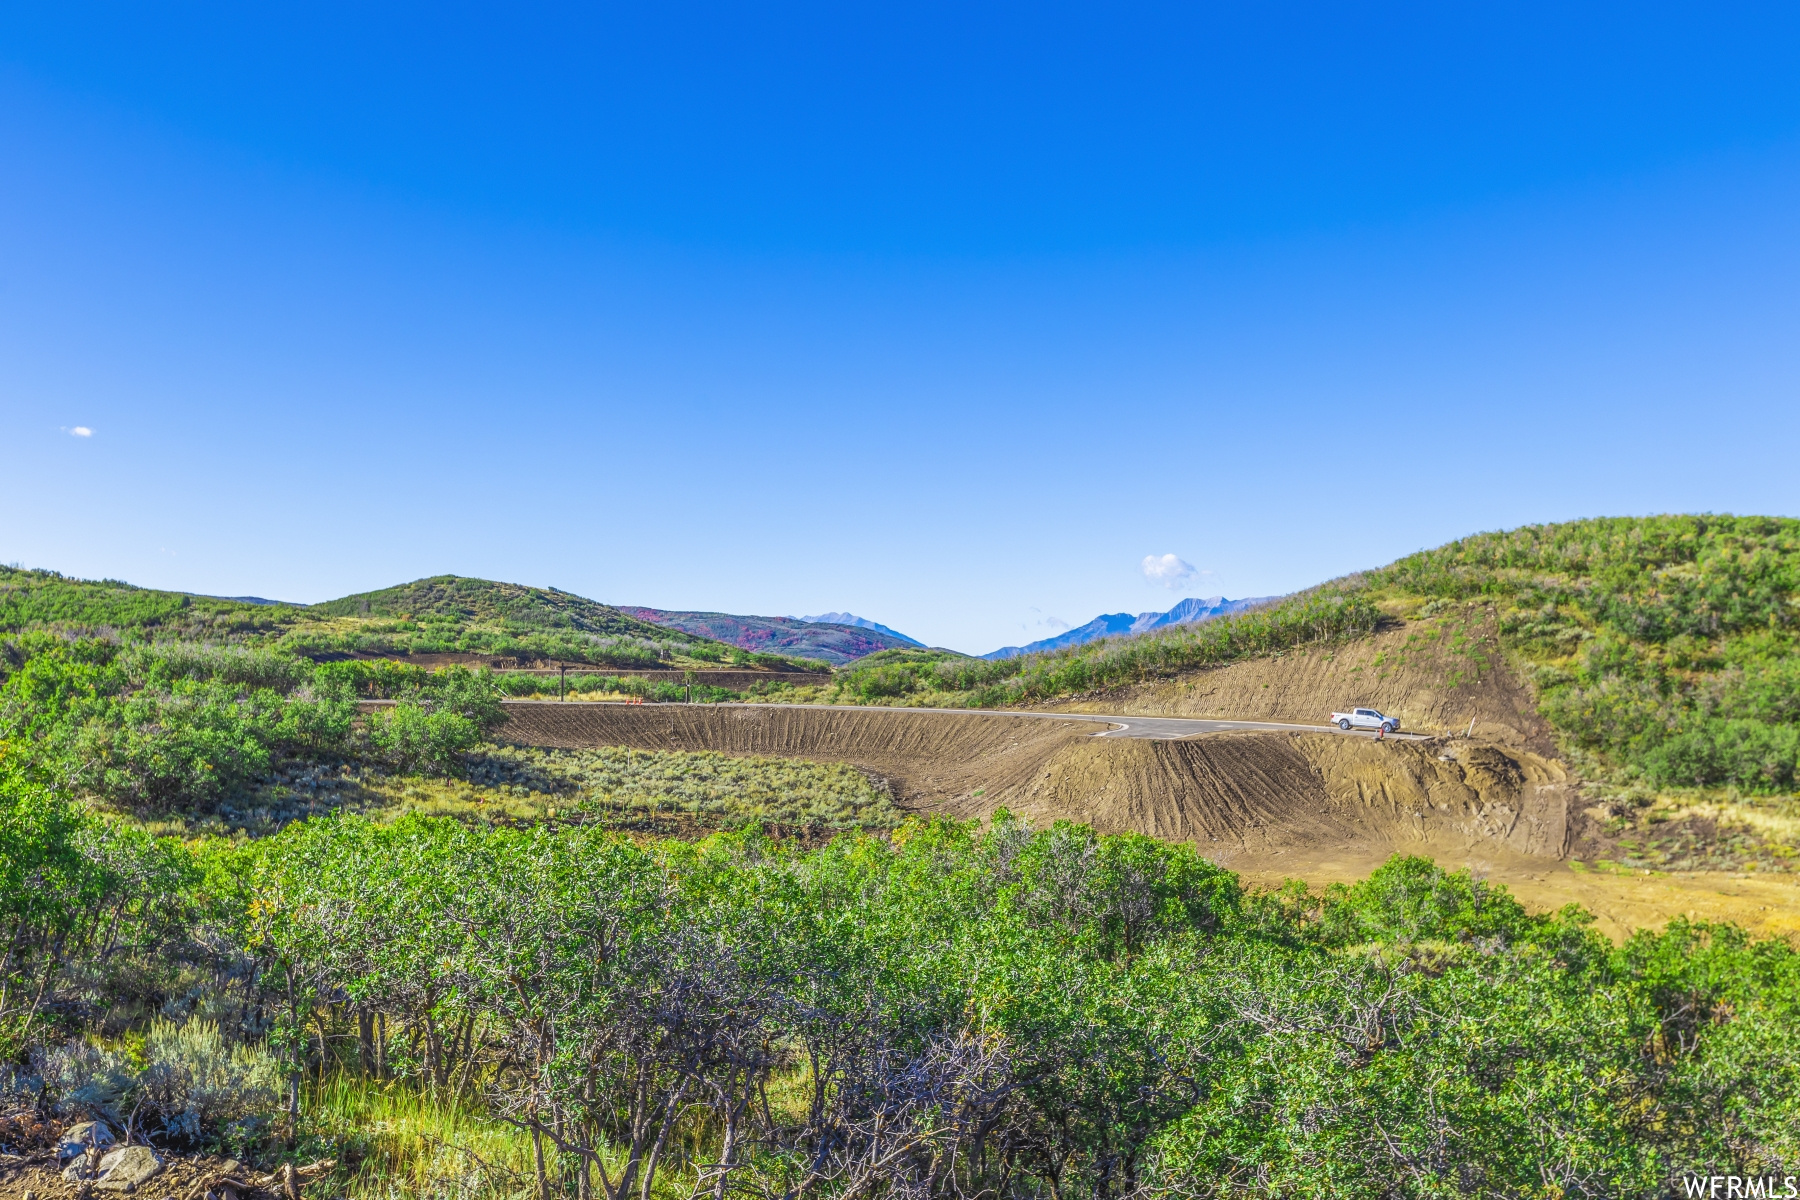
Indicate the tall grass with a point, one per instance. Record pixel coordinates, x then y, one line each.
396 1140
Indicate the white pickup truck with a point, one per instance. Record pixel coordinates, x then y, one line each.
1365 718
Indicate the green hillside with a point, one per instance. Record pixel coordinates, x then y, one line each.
442 614
1661 645
484 602
46 600
449 613
1661 648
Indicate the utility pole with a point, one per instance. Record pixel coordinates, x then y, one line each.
562 681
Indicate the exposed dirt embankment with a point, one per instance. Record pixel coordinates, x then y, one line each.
1269 800
1436 675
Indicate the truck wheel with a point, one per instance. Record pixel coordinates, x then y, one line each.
1391 727
1344 725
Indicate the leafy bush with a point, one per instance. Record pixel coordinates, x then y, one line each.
1753 754
152 730
1113 1010
1116 1014
418 740
164 663
162 728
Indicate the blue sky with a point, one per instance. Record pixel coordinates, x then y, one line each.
950 316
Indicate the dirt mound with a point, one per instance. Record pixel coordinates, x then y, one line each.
1436 675
1270 800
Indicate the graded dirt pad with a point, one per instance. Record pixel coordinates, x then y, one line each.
1315 806
1436 675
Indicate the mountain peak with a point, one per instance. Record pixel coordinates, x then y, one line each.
851 619
1116 624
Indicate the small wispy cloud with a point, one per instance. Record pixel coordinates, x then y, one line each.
1169 571
78 431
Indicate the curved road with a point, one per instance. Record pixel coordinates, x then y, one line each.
1165 729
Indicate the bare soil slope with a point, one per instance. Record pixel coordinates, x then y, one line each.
1436 675
1302 803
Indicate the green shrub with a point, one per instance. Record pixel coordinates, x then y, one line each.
418 740
1753 754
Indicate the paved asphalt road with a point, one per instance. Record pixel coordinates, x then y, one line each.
1156 728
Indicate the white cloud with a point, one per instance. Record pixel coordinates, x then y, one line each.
78 431
1170 571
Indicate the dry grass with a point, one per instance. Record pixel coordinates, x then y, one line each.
1696 829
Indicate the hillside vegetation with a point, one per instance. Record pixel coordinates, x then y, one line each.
946 1012
443 614
513 999
1660 648
47 601
448 613
1662 645
175 728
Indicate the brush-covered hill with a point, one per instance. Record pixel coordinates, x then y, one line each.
450 613
454 614
48 601
445 614
1661 649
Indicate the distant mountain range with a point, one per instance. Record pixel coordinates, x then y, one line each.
841 618
1119 624
837 642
